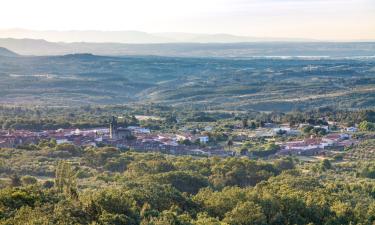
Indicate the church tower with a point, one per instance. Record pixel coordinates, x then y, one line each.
113 128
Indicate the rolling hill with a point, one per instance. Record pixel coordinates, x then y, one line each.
5 52
264 84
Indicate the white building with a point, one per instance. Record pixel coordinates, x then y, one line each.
351 129
204 139
62 141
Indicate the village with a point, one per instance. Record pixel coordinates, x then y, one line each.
185 142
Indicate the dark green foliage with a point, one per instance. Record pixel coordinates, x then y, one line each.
326 165
366 126
368 171
183 181
28 180
107 186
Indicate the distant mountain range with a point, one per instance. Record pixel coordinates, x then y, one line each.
250 49
134 37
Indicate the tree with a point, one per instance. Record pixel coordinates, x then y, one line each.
253 125
245 123
366 126
284 164
271 147
368 171
74 150
205 219
28 180
65 179
326 165
182 181
15 180
307 129
244 151
230 144
28 215
247 213
48 184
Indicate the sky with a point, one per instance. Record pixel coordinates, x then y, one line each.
317 19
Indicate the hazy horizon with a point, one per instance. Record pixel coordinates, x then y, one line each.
143 37
134 36
327 20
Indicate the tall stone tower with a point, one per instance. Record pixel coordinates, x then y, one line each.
113 128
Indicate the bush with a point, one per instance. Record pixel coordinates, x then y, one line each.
28 180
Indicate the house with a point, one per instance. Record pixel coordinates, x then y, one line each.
116 132
332 123
141 130
269 125
192 138
281 130
7 143
99 139
352 129
310 146
307 144
302 125
77 132
62 141
204 139
332 139
208 128
285 130
326 128
123 133
199 152
347 143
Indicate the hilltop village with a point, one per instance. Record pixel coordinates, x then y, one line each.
266 141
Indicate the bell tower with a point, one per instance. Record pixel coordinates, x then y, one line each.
113 128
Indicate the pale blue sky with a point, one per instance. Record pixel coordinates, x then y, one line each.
320 19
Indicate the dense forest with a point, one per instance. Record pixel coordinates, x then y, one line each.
64 184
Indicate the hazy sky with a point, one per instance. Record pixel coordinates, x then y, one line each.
321 19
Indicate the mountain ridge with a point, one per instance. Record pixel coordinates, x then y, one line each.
135 37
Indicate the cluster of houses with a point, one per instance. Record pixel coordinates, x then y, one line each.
138 138
337 140
314 146
142 139
11 139
181 143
